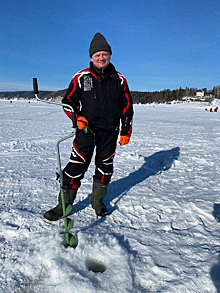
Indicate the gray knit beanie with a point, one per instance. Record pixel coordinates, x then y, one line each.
99 43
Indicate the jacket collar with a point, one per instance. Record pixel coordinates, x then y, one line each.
110 69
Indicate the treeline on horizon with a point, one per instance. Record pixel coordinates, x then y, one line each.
164 96
167 95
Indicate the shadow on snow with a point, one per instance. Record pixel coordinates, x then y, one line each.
215 275
155 164
215 270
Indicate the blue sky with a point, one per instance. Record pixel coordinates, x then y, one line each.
156 44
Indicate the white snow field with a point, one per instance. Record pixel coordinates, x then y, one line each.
163 231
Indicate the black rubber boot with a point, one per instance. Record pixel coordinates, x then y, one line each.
99 191
57 212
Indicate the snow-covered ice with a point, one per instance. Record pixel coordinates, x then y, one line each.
162 234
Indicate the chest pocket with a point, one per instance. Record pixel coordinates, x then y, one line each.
87 83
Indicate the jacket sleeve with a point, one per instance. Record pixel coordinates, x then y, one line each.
127 110
72 97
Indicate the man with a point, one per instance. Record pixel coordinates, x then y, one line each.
100 98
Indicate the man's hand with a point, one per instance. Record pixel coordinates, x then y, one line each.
82 122
124 140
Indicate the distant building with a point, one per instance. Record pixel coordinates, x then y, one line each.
200 93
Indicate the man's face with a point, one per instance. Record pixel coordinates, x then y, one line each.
101 59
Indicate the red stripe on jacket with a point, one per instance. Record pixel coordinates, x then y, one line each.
76 80
124 82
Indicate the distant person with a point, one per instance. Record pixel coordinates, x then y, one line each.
100 98
216 109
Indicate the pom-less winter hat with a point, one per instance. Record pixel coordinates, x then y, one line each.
99 43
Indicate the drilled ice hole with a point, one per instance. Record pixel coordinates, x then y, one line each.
96 266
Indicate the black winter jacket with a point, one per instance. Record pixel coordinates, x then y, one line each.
103 99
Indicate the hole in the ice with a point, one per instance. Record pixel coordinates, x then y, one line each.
95 266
